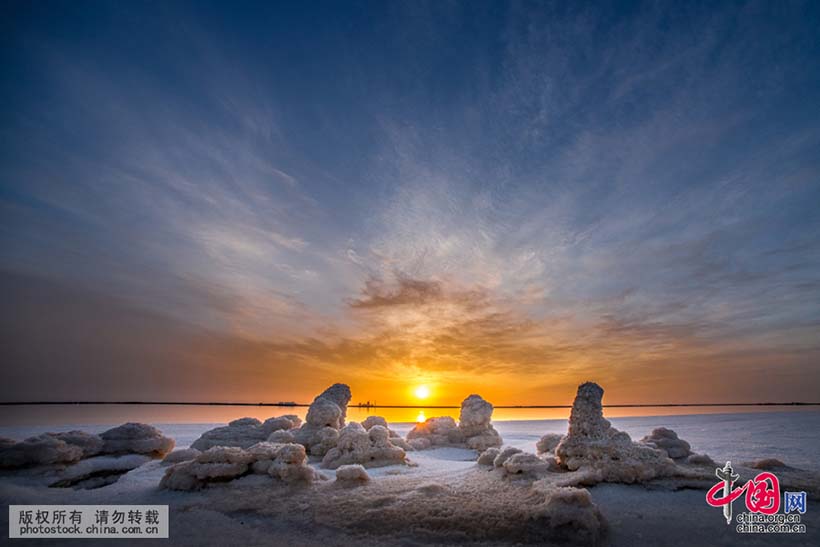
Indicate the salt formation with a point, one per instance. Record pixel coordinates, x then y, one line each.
286 462
676 448
245 432
395 438
371 448
72 446
528 465
98 471
505 454
325 417
547 443
488 456
219 463
323 414
700 459
135 438
474 429
605 453
370 421
768 464
474 424
668 441
43 449
352 474
281 436
181 455
91 445
441 431
282 423
514 461
571 517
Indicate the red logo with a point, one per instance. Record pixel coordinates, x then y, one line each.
762 494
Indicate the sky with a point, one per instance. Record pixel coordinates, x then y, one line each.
251 201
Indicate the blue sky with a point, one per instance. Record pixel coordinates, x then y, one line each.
471 195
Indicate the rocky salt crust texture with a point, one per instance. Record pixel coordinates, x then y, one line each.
395 438
134 438
593 451
181 455
601 451
246 432
547 443
370 448
325 417
473 430
43 449
324 436
73 446
82 460
352 474
286 462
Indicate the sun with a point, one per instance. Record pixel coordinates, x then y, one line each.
422 392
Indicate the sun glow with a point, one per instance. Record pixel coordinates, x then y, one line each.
422 392
421 418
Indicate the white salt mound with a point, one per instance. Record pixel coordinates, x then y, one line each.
529 465
181 455
768 464
91 445
98 471
475 426
71 446
281 423
245 432
606 454
352 474
281 437
547 443
700 459
504 454
325 417
43 449
369 448
395 438
668 441
437 431
136 438
474 429
286 462
488 456
572 518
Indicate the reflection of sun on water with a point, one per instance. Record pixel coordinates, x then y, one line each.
420 418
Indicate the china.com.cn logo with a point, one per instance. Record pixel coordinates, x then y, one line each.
762 497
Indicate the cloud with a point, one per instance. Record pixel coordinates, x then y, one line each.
376 294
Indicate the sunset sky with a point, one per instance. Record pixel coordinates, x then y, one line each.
241 202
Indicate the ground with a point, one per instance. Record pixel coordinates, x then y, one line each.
444 499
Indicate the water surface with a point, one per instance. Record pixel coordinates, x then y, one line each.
114 414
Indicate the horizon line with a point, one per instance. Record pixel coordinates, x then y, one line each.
368 406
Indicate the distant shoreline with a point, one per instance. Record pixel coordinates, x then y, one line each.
289 404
